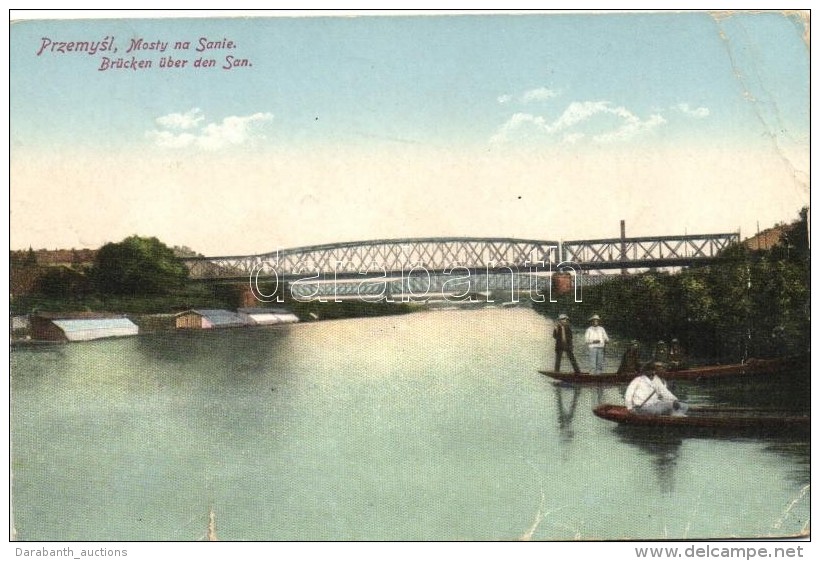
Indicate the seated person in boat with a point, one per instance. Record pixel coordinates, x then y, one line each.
677 360
647 394
661 353
631 361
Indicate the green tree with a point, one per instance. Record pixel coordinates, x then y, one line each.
137 265
62 282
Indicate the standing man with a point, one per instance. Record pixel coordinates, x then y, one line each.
563 343
596 338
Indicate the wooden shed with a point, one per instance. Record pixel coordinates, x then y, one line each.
208 319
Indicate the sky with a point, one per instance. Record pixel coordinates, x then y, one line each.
339 128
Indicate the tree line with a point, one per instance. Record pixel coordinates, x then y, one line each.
135 266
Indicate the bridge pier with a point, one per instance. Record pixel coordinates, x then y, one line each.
247 298
562 283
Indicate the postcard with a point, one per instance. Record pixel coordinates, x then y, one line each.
289 277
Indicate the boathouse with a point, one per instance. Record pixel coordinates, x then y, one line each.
80 327
208 319
267 316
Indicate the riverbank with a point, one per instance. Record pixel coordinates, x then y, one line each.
21 333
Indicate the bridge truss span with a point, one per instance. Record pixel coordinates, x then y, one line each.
403 256
656 251
378 256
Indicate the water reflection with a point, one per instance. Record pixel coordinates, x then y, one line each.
566 413
233 356
600 395
661 447
795 453
183 346
30 363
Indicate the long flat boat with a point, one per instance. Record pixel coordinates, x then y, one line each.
710 418
750 367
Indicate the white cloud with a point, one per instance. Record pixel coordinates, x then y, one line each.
231 131
576 114
538 94
181 121
514 123
698 113
630 128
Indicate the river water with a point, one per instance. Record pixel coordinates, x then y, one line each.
428 426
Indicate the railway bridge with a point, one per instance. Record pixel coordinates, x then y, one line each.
397 256
454 265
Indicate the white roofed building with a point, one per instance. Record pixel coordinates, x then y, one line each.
267 316
82 328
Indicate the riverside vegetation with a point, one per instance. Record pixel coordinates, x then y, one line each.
749 303
142 275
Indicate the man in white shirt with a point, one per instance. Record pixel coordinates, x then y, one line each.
648 395
596 339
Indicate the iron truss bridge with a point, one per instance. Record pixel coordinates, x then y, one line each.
394 257
445 255
646 252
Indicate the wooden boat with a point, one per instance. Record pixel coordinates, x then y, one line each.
748 368
711 418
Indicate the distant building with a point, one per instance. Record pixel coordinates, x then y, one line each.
766 239
208 319
55 257
79 327
267 316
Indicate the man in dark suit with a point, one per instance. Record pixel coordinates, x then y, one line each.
563 343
